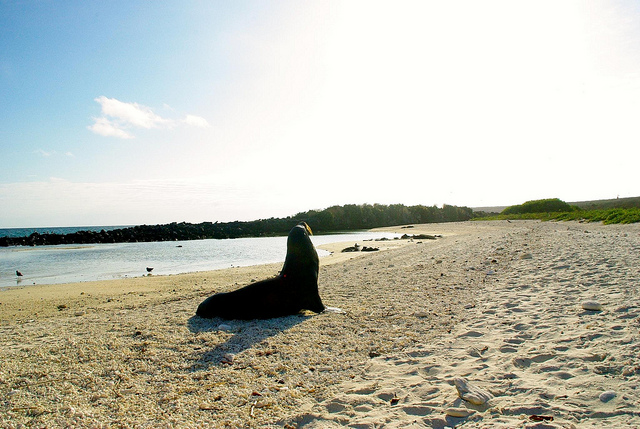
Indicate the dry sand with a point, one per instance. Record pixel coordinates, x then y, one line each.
496 305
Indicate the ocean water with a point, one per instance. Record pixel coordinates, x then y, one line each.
88 262
25 232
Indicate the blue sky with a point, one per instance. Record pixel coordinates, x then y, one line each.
152 112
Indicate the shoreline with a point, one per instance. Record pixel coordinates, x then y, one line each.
32 301
103 262
471 304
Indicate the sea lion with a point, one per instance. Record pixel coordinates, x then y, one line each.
294 289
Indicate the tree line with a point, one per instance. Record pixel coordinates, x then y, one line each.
333 219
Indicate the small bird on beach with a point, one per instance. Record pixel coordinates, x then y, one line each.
149 269
18 273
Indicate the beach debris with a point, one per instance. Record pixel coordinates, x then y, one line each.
62 307
259 403
591 305
471 393
526 256
426 236
394 400
477 352
262 403
458 412
607 395
32 411
69 410
334 310
79 313
538 418
420 236
354 248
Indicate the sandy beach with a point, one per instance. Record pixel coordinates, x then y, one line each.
495 324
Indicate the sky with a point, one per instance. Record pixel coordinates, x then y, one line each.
136 112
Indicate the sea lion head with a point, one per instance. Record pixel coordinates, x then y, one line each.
302 258
299 242
306 227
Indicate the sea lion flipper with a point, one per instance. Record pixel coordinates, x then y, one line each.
315 304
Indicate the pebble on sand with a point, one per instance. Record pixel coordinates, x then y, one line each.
458 412
591 305
607 395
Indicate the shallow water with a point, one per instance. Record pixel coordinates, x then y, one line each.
88 262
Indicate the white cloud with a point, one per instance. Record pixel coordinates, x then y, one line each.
196 121
119 116
105 127
132 114
44 153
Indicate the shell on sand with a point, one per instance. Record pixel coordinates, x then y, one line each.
471 393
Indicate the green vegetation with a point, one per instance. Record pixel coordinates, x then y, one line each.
558 210
365 216
606 216
617 203
551 205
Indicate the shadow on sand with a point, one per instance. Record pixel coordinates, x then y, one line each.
244 335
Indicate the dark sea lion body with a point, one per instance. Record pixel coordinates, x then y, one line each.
295 289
